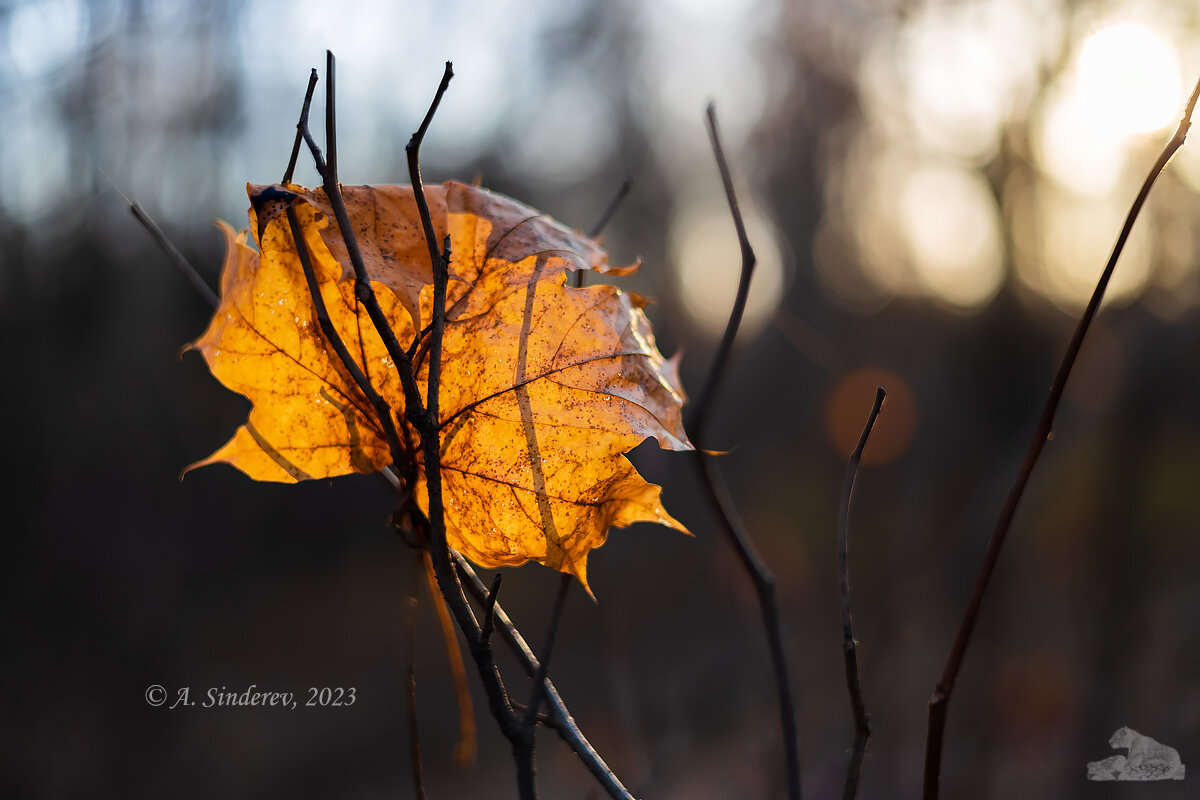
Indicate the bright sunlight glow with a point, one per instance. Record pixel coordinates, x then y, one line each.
1128 77
1124 82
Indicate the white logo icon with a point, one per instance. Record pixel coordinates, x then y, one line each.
1147 760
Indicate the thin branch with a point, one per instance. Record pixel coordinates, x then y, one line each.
441 281
331 151
539 677
524 751
451 590
303 131
382 410
940 699
862 724
413 151
300 126
564 723
410 683
176 257
700 412
601 223
764 584
607 215
718 494
489 614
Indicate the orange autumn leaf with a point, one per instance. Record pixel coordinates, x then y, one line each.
543 387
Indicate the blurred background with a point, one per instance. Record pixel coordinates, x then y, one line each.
932 189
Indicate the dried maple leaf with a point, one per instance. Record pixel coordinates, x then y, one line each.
543 387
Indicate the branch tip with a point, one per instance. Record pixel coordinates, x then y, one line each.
862 725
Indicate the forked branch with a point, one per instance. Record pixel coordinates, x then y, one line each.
940 699
327 169
563 722
301 127
413 151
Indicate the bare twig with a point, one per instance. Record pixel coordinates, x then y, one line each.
940 699
718 494
607 215
559 716
176 257
413 151
300 126
382 410
489 613
524 751
601 223
564 722
862 724
539 677
721 359
410 683
327 168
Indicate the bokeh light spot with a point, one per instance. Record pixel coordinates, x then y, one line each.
848 404
1125 82
952 228
707 261
956 83
42 36
1129 77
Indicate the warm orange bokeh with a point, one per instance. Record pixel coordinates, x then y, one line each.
847 407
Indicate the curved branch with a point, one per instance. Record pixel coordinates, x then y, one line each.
718 494
940 699
559 714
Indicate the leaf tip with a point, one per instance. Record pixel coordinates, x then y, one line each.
667 520
204 462
579 571
622 270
